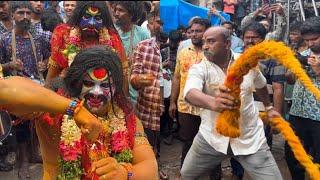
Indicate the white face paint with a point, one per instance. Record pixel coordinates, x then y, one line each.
97 90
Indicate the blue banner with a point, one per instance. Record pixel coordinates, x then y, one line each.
178 12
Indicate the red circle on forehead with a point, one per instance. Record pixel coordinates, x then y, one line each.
94 9
100 73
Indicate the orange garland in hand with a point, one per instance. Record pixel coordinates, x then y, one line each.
228 121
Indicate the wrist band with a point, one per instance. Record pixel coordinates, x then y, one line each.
74 107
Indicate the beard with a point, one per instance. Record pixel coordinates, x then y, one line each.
315 49
120 23
24 24
197 42
208 54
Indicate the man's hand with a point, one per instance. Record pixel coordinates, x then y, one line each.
277 8
223 100
90 126
109 168
142 80
16 65
172 110
313 61
42 66
166 64
271 114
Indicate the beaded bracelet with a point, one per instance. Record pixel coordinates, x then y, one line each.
74 107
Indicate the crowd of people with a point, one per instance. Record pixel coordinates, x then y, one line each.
134 86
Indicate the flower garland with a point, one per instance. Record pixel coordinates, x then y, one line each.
295 144
73 45
113 141
227 122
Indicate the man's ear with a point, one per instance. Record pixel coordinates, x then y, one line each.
228 44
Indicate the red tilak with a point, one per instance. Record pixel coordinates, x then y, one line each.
100 73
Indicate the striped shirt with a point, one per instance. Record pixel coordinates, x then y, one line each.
146 60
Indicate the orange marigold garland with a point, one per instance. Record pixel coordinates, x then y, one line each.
295 144
228 121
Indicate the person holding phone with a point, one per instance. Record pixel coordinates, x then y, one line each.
263 16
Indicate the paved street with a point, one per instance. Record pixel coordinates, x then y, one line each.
170 162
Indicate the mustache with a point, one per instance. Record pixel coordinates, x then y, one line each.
208 53
24 24
91 29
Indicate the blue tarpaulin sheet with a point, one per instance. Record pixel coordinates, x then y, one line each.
178 12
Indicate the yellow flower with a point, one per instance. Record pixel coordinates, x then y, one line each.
70 132
227 122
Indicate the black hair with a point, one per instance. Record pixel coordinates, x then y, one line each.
201 21
163 36
230 23
81 8
218 4
255 27
94 57
295 26
50 19
134 8
311 26
175 36
147 6
182 28
14 5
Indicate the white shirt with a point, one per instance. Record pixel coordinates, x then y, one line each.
207 74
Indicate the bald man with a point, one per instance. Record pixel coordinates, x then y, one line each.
204 88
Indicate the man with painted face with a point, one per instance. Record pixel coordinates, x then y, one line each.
122 151
23 54
91 24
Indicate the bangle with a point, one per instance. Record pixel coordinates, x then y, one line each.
129 168
268 108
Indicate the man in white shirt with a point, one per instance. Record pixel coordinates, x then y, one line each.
204 89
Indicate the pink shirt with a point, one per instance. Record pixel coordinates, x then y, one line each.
229 6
